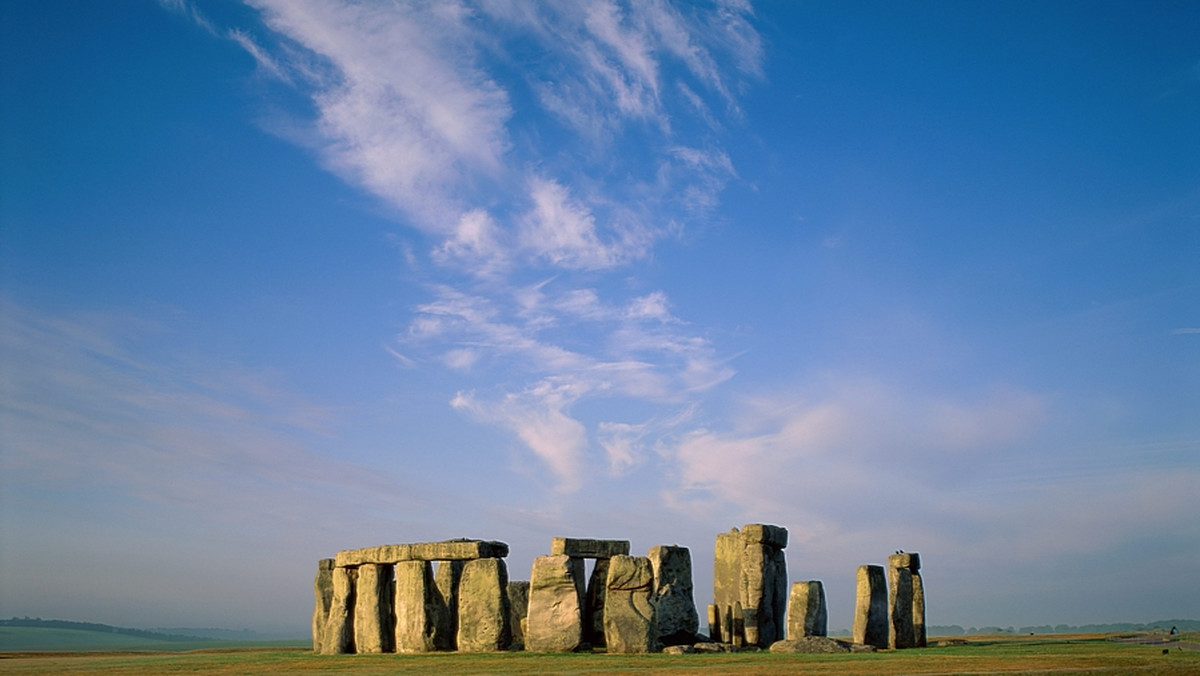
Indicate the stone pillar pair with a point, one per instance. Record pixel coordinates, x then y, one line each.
388 599
566 614
906 613
750 592
899 623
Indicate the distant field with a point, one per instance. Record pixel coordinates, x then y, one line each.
38 639
982 655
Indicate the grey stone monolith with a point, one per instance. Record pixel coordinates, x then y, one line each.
483 607
807 614
918 610
900 606
593 604
764 589
373 609
714 622
871 607
556 594
630 622
678 621
444 604
323 591
415 617
338 636
518 609
727 580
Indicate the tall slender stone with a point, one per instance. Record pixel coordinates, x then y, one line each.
714 622
556 596
414 610
630 622
518 609
338 636
918 610
483 607
807 614
678 621
871 607
593 607
373 609
444 602
323 591
900 622
727 580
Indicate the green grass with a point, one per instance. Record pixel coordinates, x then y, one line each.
1026 655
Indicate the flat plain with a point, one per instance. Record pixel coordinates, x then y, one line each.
1074 654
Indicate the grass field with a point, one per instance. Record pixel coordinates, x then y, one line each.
982 655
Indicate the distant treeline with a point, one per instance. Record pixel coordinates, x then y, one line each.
1114 628
93 626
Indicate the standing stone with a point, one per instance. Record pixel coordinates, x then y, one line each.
714 622
871 607
323 590
763 589
918 610
597 589
555 619
518 609
444 602
807 614
338 637
673 595
373 609
727 577
483 607
630 622
900 621
414 609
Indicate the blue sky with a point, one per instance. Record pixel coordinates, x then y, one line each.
283 277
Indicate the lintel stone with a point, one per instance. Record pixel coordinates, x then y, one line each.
909 560
760 533
589 549
450 550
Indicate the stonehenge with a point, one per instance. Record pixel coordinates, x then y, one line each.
750 585
456 595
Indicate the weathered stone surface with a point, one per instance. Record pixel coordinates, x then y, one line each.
909 560
630 621
711 647
415 612
450 550
518 609
373 609
483 607
871 607
900 621
918 611
807 614
589 549
727 580
678 621
555 620
764 589
810 644
678 650
338 636
323 591
593 604
444 604
714 622
765 534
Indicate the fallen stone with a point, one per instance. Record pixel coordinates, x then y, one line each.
678 650
555 619
807 614
483 607
871 607
630 621
323 591
810 644
589 549
712 647
450 550
678 621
